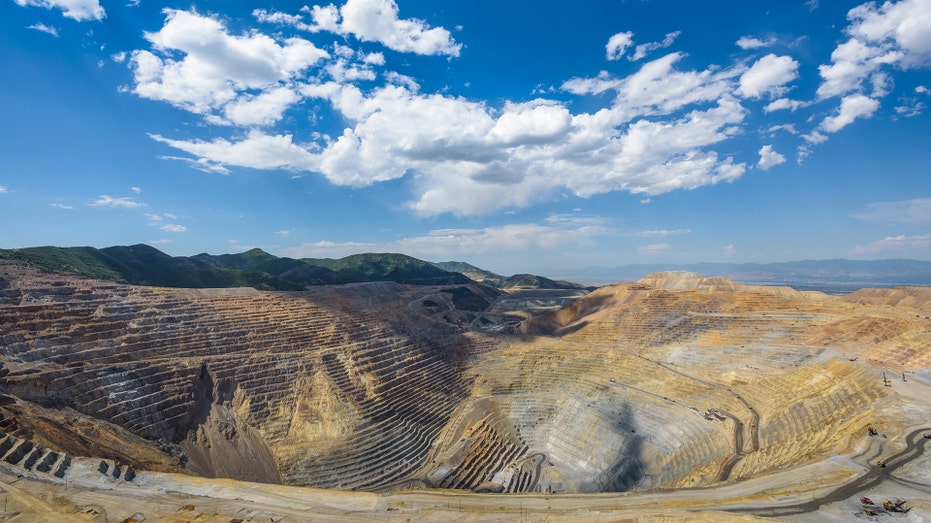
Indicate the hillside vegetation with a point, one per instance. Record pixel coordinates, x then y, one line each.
517 281
145 265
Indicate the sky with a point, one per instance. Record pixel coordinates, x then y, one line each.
544 137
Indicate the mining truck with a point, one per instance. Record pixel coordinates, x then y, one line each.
897 505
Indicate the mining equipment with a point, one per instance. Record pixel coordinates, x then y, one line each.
881 464
886 381
868 511
896 505
872 431
866 501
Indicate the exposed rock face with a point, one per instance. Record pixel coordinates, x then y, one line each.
307 388
669 382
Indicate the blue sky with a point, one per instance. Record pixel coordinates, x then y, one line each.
545 137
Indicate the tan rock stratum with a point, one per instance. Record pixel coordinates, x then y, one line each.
675 398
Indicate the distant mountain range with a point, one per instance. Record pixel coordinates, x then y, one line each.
145 265
837 275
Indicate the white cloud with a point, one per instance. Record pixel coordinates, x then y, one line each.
173 228
786 127
263 109
660 233
45 29
768 76
769 158
905 25
896 244
852 63
201 68
467 158
277 17
137 190
892 34
283 233
815 137
644 49
851 107
909 107
618 44
913 212
3 189
159 242
257 151
377 21
536 121
79 10
751 42
782 104
729 251
453 243
657 87
655 248
201 164
105 200
60 206
370 21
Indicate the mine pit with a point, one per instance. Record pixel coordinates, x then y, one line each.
674 382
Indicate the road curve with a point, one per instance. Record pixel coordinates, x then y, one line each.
915 446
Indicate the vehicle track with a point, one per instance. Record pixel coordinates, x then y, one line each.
915 446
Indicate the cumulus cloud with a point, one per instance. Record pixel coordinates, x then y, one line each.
371 21
198 66
851 107
79 10
904 25
468 158
891 34
656 131
173 227
783 104
913 212
618 44
768 76
105 200
752 42
45 29
769 158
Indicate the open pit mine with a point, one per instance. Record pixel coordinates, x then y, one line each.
674 398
